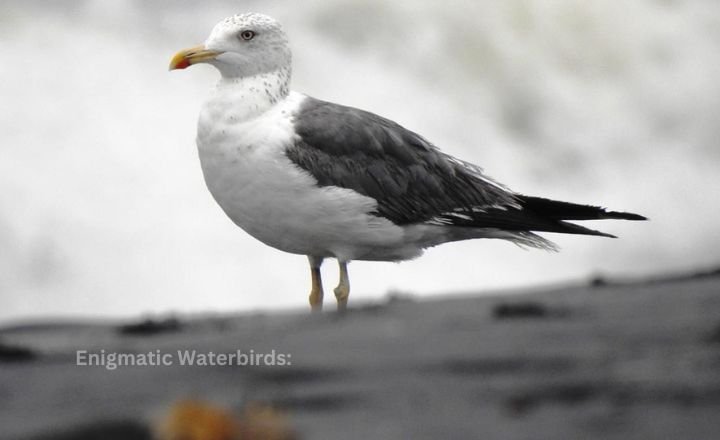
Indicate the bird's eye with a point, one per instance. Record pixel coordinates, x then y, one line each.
247 35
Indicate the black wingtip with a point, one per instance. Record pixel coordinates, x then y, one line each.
572 228
557 210
625 216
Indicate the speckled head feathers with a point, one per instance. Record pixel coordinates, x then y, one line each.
251 44
248 21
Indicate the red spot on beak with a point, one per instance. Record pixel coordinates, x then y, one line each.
181 64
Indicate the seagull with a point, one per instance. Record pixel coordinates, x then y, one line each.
324 180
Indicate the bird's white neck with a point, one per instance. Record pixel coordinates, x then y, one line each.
253 95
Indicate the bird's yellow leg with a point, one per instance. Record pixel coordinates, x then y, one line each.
316 291
342 291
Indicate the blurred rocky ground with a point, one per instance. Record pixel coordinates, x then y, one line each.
609 359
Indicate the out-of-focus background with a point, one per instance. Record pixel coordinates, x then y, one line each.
103 209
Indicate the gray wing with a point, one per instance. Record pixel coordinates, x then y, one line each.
411 179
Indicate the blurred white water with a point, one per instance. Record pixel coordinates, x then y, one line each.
103 210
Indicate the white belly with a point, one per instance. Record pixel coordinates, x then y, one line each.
263 192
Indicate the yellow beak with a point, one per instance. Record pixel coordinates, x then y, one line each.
186 58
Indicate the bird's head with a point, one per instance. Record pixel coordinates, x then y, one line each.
240 46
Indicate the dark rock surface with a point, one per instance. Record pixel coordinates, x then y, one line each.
624 361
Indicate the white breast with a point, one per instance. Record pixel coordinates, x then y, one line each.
242 152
